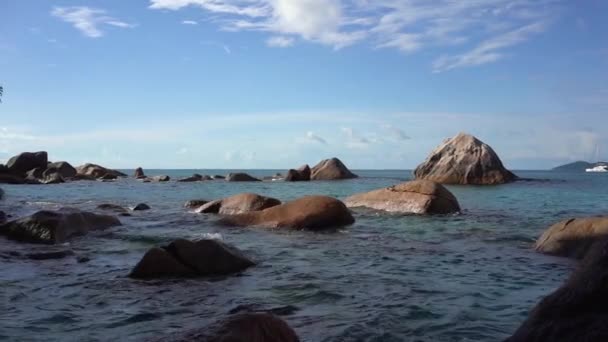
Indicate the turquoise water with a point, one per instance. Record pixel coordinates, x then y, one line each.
467 277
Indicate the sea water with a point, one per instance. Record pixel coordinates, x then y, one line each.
467 277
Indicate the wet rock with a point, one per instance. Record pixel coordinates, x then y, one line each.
162 178
56 226
195 203
331 169
2 217
416 197
300 175
238 204
139 173
310 212
97 171
108 177
50 255
241 177
53 178
1 194
464 159
219 177
183 258
578 310
80 177
112 207
573 237
21 163
194 178
248 308
141 206
62 168
35 173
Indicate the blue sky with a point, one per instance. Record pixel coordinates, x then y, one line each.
279 83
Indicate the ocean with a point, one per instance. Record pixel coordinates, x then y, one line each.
467 277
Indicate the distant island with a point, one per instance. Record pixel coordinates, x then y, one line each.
577 166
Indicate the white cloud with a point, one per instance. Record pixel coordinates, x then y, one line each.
405 25
189 22
88 20
311 136
280 41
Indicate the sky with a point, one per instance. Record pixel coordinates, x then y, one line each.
274 84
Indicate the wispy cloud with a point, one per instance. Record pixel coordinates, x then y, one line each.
396 132
406 25
189 22
280 41
222 46
489 50
311 136
88 20
354 140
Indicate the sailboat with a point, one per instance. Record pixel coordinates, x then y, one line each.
598 168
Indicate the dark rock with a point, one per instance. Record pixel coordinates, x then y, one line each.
83 259
64 169
578 310
56 226
310 212
331 169
7 178
26 161
249 327
194 178
238 204
141 206
195 203
218 177
108 177
2 217
300 175
80 177
417 197
241 177
1 194
183 258
139 173
464 159
573 237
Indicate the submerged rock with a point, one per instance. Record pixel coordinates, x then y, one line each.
464 159
241 177
26 161
578 310
97 171
237 204
56 226
183 258
163 178
417 197
141 206
310 212
112 207
195 203
50 255
300 175
248 327
331 169
572 237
